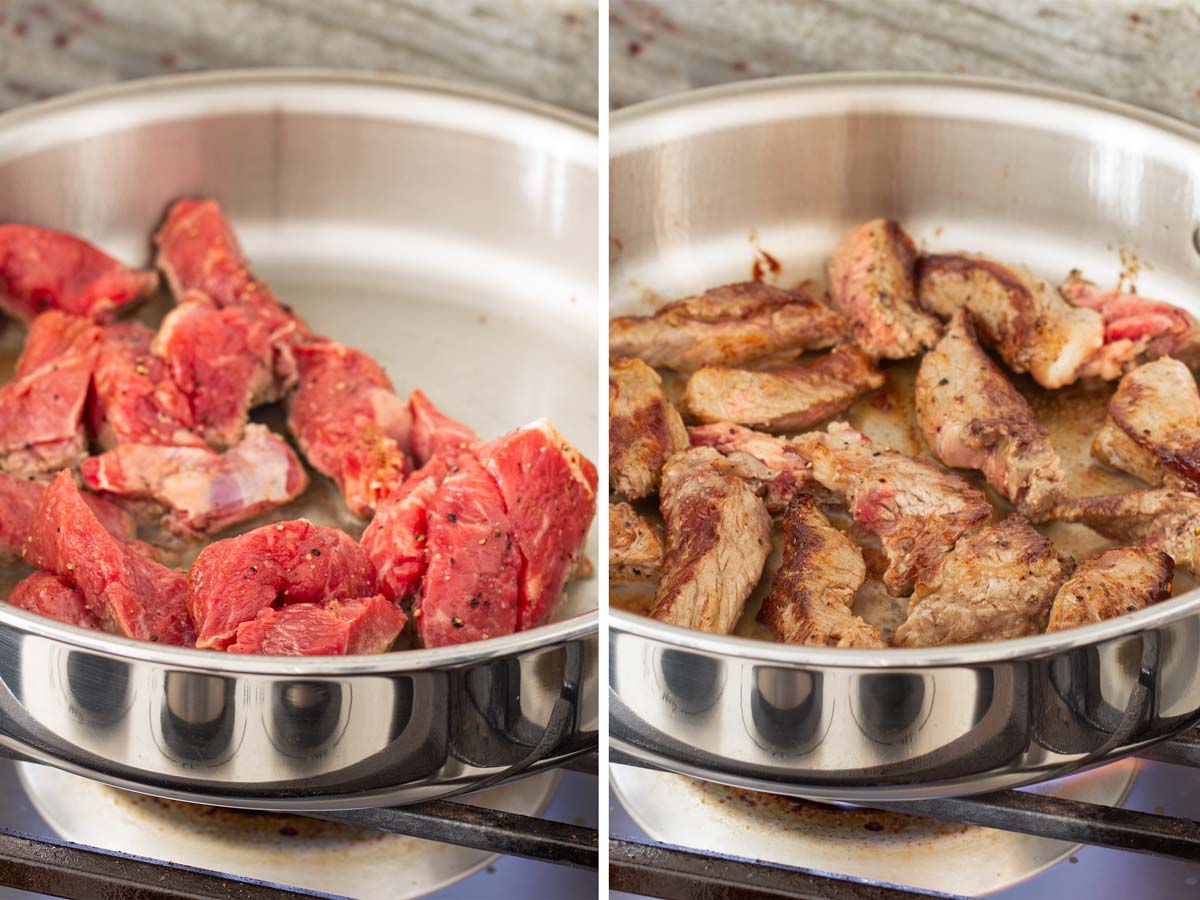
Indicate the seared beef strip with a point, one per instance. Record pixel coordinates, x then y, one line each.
1024 319
718 539
995 584
973 418
871 283
917 510
1135 328
635 548
1153 426
1112 584
643 428
729 325
789 399
814 587
768 462
1161 519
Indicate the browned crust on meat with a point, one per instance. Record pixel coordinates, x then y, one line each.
781 400
644 428
815 585
972 417
871 283
635 548
732 325
1112 584
718 539
1153 425
997 583
1162 519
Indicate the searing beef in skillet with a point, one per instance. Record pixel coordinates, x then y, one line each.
995 584
718 539
871 283
1153 426
635 548
42 408
643 428
349 423
1161 519
730 325
235 579
55 598
19 501
202 491
767 462
1027 322
129 593
1136 329
973 418
778 400
44 270
917 509
815 584
335 628
1112 584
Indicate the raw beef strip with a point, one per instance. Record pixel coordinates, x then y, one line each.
349 423
42 270
203 491
41 409
549 491
134 398
336 628
19 501
396 538
436 434
198 251
54 598
233 580
223 361
471 590
130 593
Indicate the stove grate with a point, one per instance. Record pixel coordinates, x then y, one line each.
75 872
675 873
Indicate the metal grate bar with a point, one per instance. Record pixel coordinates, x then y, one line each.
482 829
81 873
675 873
1183 750
1066 820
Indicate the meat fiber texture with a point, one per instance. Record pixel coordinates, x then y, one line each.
19 502
486 541
128 593
43 270
337 628
234 580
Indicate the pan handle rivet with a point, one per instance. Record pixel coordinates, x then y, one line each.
1196 239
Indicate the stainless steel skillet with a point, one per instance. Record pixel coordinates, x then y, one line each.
451 234
701 183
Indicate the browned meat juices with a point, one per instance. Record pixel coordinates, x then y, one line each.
783 399
973 418
718 538
1112 584
871 283
810 599
1153 426
730 325
643 428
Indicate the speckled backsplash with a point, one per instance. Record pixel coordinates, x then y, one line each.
1140 52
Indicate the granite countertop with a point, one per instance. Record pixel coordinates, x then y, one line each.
544 49
1141 52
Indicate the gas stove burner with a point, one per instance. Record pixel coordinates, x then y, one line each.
863 843
293 850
